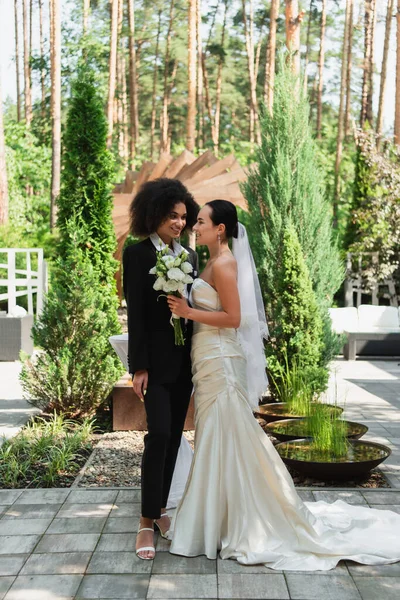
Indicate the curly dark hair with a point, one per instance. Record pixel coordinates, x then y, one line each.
153 203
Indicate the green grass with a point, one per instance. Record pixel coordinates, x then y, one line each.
293 389
46 453
329 432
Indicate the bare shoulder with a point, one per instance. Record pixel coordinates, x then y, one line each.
226 263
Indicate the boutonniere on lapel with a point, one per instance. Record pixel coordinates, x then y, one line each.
172 276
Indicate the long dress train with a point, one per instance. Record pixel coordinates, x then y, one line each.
239 498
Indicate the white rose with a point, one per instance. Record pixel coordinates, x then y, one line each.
181 286
186 267
188 279
176 274
177 262
169 261
159 284
171 286
153 271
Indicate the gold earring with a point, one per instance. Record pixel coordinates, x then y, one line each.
219 238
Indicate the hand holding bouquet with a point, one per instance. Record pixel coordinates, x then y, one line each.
172 276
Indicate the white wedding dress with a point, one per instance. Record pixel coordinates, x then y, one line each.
239 498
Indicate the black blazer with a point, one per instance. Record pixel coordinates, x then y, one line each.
151 343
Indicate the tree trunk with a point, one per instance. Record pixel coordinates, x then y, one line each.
270 58
30 30
86 12
120 84
367 84
249 36
3 170
397 102
347 111
55 36
133 95
191 103
27 69
200 99
164 117
17 60
321 61
112 69
307 57
154 94
293 19
343 87
42 69
217 116
379 121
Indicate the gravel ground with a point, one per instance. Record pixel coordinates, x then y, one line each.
115 461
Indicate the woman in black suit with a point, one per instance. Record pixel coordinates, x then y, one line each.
161 371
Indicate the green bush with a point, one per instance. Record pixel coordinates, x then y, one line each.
76 368
297 340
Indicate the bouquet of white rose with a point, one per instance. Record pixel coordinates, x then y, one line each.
172 276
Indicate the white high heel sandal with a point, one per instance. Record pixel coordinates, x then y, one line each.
146 548
163 535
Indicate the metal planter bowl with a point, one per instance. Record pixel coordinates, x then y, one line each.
279 410
281 429
361 458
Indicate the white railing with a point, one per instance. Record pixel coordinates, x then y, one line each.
31 281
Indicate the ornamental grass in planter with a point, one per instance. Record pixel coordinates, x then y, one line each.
328 454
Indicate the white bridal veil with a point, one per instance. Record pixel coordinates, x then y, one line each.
253 325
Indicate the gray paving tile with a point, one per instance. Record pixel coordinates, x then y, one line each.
393 507
74 511
113 586
42 496
11 564
118 562
9 496
230 567
332 496
125 510
23 526
129 496
252 586
165 563
80 525
121 525
306 495
117 542
162 545
182 586
67 542
31 511
382 497
56 563
3 508
358 570
18 544
315 587
5 584
44 587
372 588
92 496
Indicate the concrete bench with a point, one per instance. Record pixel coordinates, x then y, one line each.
370 330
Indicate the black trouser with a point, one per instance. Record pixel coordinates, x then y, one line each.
166 406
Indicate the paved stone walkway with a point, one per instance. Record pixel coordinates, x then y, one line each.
63 544
14 412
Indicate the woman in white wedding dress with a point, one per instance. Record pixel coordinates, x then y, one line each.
239 498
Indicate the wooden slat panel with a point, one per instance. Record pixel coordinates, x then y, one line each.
130 178
159 170
204 160
122 199
184 159
216 169
217 182
144 173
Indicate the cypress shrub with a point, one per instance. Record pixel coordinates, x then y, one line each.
285 186
76 367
